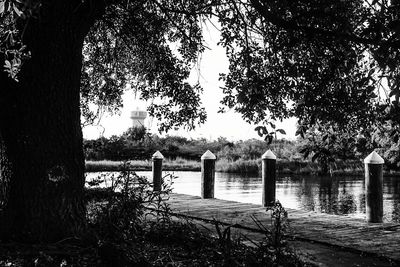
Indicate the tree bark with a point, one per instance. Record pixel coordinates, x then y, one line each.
41 156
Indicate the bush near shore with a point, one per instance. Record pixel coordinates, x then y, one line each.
128 224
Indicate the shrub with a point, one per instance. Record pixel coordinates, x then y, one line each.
130 225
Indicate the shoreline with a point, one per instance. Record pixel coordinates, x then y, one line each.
251 167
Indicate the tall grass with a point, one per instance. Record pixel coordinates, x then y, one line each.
142 165
108 165
290 167
238 166
180 164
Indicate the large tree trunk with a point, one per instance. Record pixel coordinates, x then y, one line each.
41 157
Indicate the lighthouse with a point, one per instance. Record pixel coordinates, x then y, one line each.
138 117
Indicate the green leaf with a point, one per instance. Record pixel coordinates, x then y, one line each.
261 130
7 64
303 150
258 130
2 7
17 11
281 131
269 139
396 138
316 155
393 92
371 71
272 125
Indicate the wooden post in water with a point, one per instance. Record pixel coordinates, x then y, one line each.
374 187
207 174
157 170
268 178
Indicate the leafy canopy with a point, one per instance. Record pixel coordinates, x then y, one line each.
317 60
324 61
132 45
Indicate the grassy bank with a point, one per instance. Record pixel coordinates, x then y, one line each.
142 165
349 168
290 167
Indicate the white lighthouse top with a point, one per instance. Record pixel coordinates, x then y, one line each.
157 155
138 114
268 155
208 155
374 158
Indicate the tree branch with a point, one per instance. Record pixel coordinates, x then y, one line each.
314 31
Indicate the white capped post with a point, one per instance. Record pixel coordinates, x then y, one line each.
157 170
374 188
207 174
268 178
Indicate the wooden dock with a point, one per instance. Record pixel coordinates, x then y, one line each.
380 239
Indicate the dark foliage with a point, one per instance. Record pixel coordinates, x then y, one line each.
129 225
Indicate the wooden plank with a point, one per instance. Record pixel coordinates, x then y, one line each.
344 231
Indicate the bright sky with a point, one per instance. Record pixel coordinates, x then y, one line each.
229 125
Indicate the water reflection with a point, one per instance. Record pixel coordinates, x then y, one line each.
334 195
391 193
328 194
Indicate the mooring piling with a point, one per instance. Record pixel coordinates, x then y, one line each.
268 178
207 174
157 170
374 188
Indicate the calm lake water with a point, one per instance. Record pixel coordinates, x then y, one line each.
335 195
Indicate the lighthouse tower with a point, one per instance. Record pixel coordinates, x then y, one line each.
138 117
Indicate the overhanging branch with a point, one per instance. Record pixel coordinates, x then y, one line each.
315 31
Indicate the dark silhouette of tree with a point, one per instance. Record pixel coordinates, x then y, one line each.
330 63
63 55
318 60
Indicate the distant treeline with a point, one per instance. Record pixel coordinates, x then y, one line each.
136 144
313 153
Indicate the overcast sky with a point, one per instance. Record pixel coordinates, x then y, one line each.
229 125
